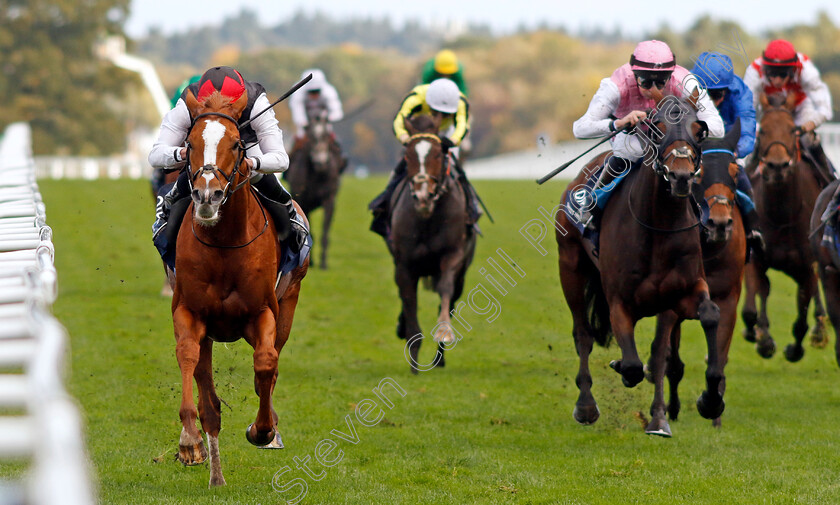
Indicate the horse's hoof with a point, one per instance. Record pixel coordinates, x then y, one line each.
441 361
276 443
716 422
414 371
586 414
658 427
766 347
648 374
259 439
217 481
673 410
794 353
630 375
710 408
191 455
819 335
749 334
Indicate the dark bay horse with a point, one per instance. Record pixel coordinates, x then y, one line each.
227 286
314 174
828 264
650 263
724 254
785 191
429 236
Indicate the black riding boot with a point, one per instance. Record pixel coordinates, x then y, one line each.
278 203
811 142
755 240
473 209
380 205
614 167
163 206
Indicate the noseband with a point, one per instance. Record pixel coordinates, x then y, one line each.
213 169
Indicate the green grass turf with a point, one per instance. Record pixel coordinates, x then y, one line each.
494 426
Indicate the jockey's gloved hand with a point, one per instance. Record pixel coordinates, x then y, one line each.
446 143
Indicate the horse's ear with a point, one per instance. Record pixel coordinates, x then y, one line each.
192 102
700 130
656 94
239 105
409 126
730 140
790 101
762 99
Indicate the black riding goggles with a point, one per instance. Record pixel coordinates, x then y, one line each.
774 71
717 94
648 81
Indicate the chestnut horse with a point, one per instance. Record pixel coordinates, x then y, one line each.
227 287
650 261
828 264
314 174
785 191
429 236
724 254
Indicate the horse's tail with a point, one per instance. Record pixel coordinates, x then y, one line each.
597 311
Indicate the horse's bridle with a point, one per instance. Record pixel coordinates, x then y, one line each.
240 157
794 153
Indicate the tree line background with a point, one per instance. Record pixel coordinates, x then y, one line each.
534 82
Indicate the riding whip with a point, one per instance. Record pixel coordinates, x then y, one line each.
285 96
564 166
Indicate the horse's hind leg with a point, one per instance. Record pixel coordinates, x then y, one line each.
329 209
806 286
819 334
262 431
188 332
209 409
666 323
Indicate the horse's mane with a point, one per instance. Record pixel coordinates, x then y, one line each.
776 100
423 123
216 102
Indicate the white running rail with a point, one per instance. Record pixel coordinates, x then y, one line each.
39 422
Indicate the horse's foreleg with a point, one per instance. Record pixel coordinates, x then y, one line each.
674 371
728 315
409 327
764 343
831 285
710 404
262 432
806 283
329 208
666 324
209 409
188 333
629 366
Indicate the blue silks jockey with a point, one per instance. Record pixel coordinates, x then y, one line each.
734 102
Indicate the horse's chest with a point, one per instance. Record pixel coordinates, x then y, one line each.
668 280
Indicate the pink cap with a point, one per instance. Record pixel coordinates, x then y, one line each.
652 55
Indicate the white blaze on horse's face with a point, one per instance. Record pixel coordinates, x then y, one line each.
208 202
212 135
422 149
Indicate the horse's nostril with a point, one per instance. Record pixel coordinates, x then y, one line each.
218 194
196 195
729 222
